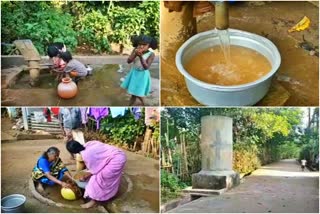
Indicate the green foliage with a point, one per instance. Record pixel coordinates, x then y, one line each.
289 150
270 123
94 29
21 20
245 158
125 23
99 23
123 130
260 136
310 148
151 13
170 186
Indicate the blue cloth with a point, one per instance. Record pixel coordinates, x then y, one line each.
49 182
117 111
56 168
138 81
136 111
44 164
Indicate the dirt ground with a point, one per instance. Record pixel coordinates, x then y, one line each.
280 187
296 82
19 157
101 88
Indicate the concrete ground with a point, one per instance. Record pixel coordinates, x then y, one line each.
279 187
19 157
102 88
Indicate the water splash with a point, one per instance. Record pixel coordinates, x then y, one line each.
225 44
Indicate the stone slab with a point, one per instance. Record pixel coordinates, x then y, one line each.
204 192
215 180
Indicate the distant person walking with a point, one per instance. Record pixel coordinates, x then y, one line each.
303 164
70 121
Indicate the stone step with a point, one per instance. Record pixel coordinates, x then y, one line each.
204 192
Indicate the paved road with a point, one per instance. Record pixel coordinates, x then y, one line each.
279 187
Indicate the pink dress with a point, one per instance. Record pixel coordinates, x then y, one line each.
106 164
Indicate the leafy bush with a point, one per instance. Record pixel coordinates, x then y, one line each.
245 158
123 130
152 17
289 150
21 22
98 23
125 23
170 186
94 29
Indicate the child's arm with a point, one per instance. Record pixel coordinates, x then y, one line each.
132 56
147 63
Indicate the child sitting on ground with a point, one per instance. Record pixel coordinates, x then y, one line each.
73 68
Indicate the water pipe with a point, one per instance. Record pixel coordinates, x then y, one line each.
221 14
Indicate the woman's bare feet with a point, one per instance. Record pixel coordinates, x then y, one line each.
90 204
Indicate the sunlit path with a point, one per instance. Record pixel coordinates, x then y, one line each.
277 187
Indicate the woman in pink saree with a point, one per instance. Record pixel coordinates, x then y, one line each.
105 164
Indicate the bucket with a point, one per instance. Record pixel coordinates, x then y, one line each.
236 95
13 203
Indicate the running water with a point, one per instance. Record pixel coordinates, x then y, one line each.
225 44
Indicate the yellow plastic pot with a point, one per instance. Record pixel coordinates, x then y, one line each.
68 194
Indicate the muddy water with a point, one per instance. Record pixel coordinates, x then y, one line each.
102 88
244 65
298 74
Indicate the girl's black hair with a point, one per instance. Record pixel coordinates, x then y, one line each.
74 147
66 56
53 150
54 49
136 40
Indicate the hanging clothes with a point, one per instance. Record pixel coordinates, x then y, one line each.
47 114
117 111
84 115
98 114
137 112
151 114
55 110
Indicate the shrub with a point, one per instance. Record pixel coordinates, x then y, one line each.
98 23
289 150
170 186
94 29
245 158
30 22
125 23
123 130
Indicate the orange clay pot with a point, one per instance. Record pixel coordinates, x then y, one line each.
73 73
67 89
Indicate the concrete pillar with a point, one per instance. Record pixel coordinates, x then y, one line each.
216 150
25 118
34 71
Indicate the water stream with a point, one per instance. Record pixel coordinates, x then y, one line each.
225 44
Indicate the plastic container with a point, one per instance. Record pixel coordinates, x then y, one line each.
13 203
237 95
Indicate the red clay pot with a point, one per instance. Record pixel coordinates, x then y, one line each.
67 89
